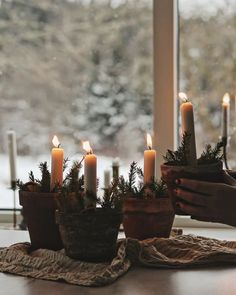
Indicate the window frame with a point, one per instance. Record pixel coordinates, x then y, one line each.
165 62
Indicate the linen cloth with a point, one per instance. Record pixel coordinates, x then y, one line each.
175 252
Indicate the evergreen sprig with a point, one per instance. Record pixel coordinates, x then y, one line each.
71 194
211 154
111 199
179 157
131 188
42 184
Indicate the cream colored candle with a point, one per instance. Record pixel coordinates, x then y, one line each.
187 120
225 115
11 136
115 168
90 170
57 159
107 178
149 161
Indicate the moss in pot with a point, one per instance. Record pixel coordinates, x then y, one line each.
89 233
209 166
147 208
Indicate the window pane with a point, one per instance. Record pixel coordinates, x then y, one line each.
208 64
80 69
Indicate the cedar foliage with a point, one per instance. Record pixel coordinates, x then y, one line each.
211 154
180 156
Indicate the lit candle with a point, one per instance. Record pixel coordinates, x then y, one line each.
90 171
57 159
107 178
187 119
225 115
149 161
11 136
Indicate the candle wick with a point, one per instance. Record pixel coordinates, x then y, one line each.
81 160
58 145
149 147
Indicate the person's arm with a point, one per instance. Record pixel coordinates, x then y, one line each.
208 201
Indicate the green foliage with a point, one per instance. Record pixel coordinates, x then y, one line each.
137 189
42 184
112 199
179 157
71 194
45 177
211 154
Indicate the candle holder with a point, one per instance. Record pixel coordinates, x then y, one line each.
13 188
224 141
39 205
147 208
209 168
88 233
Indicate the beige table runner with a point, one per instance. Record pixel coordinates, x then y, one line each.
176 252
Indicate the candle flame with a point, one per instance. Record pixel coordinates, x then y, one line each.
226 99
149 141
87 147
183 96
55 141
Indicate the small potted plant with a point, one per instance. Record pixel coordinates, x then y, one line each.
147 208
209 166
88 233
39 205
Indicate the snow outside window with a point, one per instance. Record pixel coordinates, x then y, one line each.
80 69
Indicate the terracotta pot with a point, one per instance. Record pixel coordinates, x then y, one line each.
39 213
212 173
91 235
143 219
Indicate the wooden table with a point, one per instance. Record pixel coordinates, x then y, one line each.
138 281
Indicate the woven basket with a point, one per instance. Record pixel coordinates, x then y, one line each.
91 235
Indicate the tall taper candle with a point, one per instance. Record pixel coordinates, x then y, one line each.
107 178
12 151
90 172
115 168
149 161
225 115
187 120
57 159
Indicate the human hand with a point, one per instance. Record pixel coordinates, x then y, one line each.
207 201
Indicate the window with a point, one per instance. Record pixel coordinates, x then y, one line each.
80 69
207 64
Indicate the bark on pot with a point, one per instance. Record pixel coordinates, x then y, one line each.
147 218
39 212
91 235
210 172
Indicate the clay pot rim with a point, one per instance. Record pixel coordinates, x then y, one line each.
218 166
154 200
35 194
97 211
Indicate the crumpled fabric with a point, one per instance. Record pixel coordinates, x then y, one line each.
176 252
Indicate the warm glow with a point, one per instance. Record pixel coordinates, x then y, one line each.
183 96
149 141
55 141
87 147
226 99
